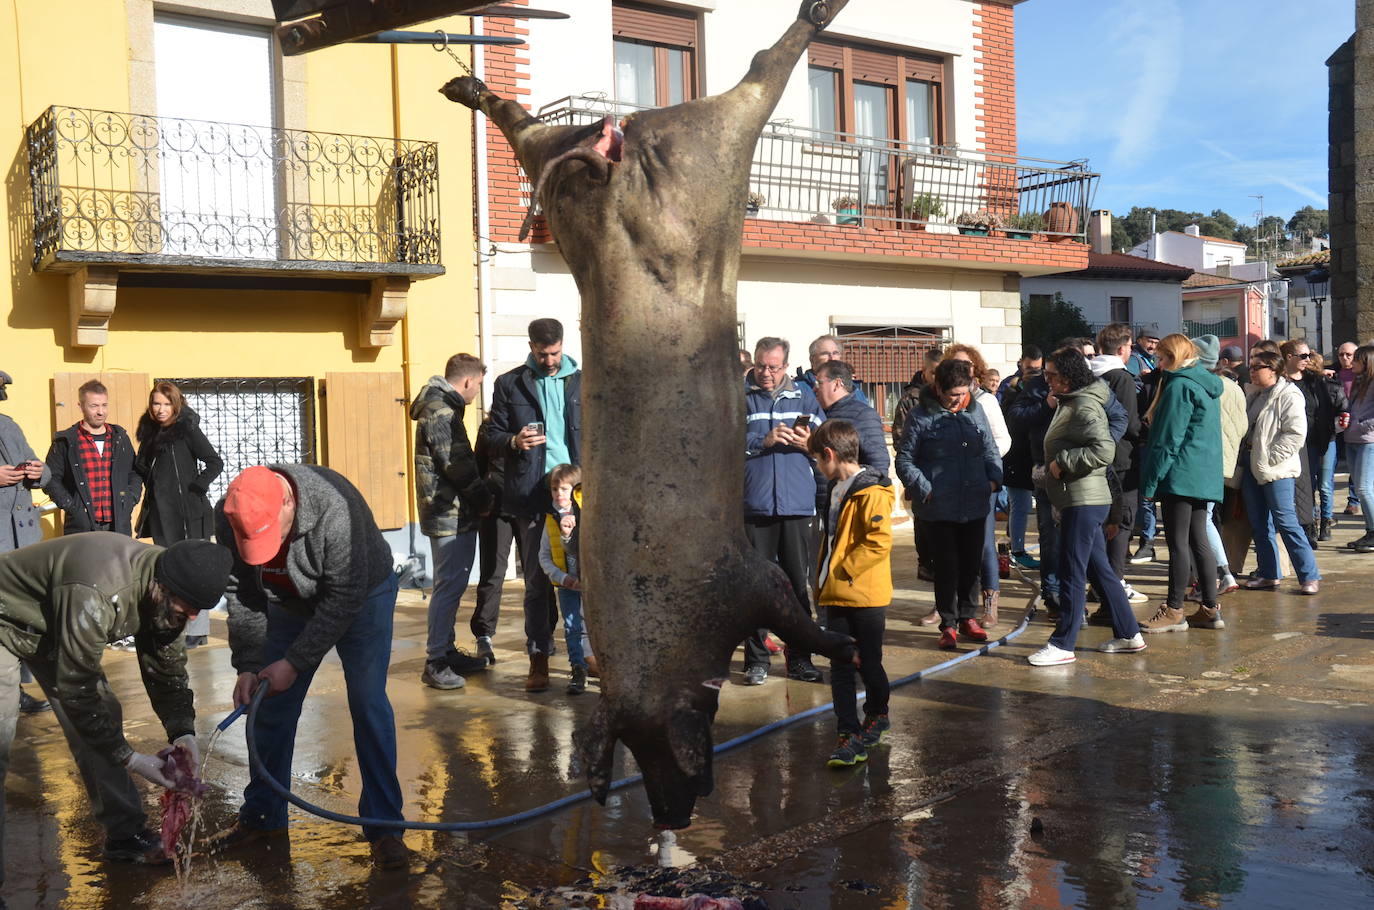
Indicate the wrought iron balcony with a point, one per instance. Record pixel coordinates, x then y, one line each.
802 174
139 191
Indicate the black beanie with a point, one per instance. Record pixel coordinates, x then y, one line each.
197 571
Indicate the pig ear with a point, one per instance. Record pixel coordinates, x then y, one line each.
689 736
596 752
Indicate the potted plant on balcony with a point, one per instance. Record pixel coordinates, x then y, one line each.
754 202
1024 226
923 208
979 223
846 210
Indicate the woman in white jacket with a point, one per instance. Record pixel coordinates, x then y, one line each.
1271 459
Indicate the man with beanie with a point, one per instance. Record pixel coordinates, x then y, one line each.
536 414
61 602
1232 358
307 552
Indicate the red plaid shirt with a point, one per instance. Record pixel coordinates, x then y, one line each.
98 468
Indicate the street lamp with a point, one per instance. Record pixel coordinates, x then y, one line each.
1317 282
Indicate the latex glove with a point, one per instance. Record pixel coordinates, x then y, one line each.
148 767
188 741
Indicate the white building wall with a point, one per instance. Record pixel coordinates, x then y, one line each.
1190 252
1157 302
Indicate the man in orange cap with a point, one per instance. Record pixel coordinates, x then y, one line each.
307 552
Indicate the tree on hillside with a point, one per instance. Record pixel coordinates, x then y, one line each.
1047 322
1308 222
1120 239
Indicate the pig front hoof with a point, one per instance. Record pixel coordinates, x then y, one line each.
464 90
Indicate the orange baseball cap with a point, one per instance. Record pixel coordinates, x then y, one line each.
253 506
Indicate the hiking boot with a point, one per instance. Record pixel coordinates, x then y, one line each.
460 661
1051 656
1145 553
1324 529
1207 618
593 668
30 705
484 649
948 639
1025 560
875 729
848 752
1311 532
754 676
390 852
1166 619
538 680
970 629
144 847
578 684
439 675
803 670
237 836
1123 645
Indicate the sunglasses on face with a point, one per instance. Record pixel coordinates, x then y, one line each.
1259 366
1304 356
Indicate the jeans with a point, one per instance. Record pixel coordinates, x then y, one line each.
1145 519
1361 459
865 625
365 652
785 540
991 579
574 627
957 555
1049 549
1270 507
1185 532
1083 557
1018 516
539 599
1214 539
1352 498
453 559
1326 481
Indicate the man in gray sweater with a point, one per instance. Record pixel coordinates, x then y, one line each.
307 552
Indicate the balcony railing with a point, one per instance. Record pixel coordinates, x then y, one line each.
1222 328
129 188
807 175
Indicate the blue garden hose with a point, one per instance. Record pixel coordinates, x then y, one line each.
255 762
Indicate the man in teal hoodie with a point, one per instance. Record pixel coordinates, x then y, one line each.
536 413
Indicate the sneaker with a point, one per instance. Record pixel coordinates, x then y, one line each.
237 836
144 847
1050 656
948 639
772 645
930 618
538 678
970 629
195 641
1100 617
1166 619
924 574
439 675
1227 584
390 852
1364 545
578 684
1207 618
460 661
1324 529
875 729
1352 508
122 644
1145 553
484 649
754 676
803 670
30 705
1124 645
990 603
849 751
1091 597
1025 560
1134 596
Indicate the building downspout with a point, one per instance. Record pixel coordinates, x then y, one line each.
481 193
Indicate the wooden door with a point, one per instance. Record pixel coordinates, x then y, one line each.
365 439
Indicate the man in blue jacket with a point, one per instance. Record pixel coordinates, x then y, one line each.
779 488
536 414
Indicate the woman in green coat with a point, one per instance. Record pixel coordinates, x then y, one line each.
1182 469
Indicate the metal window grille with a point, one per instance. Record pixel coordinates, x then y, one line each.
884 365
262 420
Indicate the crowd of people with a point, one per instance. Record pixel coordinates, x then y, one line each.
1107 439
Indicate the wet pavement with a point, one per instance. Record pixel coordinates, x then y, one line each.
1228 768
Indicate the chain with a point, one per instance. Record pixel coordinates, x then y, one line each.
444 48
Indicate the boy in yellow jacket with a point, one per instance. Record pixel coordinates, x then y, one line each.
855 581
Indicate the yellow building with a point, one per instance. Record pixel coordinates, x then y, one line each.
184 202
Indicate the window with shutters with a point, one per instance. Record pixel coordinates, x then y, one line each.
655 54
876 93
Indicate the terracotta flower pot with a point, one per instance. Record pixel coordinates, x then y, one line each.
1061 218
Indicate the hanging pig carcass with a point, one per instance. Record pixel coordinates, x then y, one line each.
650 224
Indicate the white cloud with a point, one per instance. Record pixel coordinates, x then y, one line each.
1149 36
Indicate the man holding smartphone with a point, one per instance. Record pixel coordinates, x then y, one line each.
779 488
536 414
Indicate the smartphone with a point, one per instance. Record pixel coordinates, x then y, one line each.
536 427
802 422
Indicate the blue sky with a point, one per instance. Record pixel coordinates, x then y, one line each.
1185 104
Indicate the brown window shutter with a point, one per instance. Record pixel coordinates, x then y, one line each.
654 25
927 69
875 66
823 53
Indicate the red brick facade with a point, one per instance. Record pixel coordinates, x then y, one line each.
994 60
506 72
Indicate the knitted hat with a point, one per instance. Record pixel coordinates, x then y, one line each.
197 571
1233 353
1208 350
